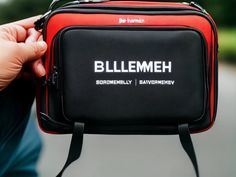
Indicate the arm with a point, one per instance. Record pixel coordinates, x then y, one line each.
19 50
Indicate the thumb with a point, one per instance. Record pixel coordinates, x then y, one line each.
32 51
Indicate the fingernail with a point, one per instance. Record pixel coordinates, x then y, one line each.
42 45
41 69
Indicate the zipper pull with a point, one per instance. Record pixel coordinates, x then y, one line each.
40 22
52 79
196 5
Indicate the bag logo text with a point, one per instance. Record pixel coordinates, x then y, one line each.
131 20
132 66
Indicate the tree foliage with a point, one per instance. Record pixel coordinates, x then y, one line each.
222 11
18 9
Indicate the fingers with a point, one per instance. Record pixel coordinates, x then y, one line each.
17 31
33 36
38 68
37 65
14 33
27 23
40 38
32 51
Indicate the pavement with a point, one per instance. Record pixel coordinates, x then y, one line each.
153 156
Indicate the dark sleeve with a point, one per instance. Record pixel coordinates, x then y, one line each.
15 104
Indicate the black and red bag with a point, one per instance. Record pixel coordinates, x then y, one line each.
128 67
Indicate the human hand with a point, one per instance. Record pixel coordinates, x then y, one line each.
20 45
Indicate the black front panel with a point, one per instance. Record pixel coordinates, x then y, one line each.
132 76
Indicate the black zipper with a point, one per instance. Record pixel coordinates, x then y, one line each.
138 8
52 78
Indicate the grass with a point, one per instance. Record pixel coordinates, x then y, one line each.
227 43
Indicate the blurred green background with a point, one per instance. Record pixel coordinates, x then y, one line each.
223 13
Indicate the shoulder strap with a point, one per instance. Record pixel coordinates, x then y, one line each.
75 146
186 141
77 143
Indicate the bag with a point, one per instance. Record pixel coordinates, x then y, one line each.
128 67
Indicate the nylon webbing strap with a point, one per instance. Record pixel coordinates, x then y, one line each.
77 143
75 146
186 141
